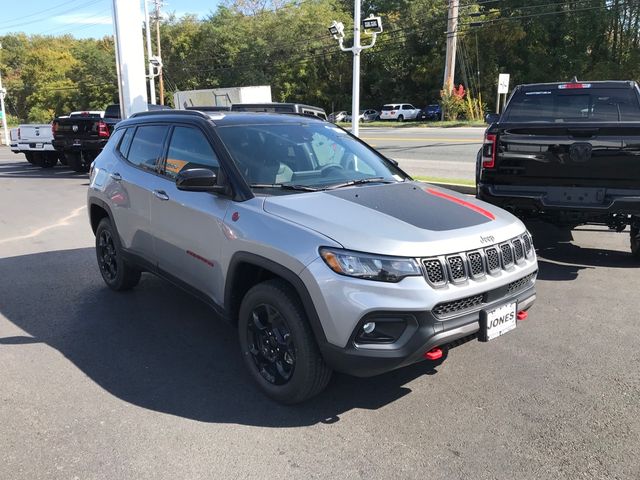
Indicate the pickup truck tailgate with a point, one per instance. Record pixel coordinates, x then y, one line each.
569 155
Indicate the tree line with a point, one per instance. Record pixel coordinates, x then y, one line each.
286 44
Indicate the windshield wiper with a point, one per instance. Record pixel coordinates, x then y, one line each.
361 181
284 187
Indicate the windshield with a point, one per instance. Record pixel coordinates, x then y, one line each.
316 156
574 105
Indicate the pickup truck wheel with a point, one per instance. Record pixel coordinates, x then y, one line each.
49 160
278 346
29 157
401 118
115 271
635 241
74 160
62 158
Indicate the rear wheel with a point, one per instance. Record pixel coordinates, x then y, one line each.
635 240
29 156
49 159
74 160
116 272
62 158
401 118
278 346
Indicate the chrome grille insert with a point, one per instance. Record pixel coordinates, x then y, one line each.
527 243
493 260
457 268
476 264
435 271
518 250
506 254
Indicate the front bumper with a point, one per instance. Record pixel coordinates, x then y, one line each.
430 332
344 304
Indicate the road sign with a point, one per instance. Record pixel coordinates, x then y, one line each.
503 83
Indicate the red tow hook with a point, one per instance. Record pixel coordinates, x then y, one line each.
522 315
434 354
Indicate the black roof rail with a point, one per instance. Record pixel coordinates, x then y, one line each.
164 113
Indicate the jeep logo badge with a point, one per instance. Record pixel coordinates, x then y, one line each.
74 128
487 239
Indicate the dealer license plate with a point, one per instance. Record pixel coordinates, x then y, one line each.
498 321
39 145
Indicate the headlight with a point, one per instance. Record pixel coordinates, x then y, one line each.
370 267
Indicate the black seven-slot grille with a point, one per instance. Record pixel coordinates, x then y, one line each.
459 267
474 302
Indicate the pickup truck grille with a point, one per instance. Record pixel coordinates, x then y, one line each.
460 267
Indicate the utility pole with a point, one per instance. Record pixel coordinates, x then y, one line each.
147 27
452 43
3 92
158 4
372 25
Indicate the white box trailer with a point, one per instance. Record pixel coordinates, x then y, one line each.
221 97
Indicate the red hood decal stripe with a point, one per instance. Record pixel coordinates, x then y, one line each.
459 201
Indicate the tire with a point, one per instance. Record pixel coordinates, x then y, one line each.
29 156
635 240
116 272
62 159
400 118
49 159
278 345
74 160
38 159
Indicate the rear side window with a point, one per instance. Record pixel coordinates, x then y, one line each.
146 146
407 107
575 105
189 148
123 148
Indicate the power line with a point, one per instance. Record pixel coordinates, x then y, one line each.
48 17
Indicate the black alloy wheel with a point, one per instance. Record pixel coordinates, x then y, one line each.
116 272
270 344
107 256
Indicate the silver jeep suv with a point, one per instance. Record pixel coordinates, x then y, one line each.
323 252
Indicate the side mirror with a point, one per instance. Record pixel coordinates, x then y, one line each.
199 180
492 118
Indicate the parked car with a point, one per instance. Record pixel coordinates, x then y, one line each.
336 117
399 112
323 253
430 112
566 153
365 116
280 108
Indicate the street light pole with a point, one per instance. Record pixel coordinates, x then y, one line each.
355 93
374 26
3 92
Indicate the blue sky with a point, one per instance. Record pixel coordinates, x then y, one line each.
80 18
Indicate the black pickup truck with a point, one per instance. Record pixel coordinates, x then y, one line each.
81 136
567 153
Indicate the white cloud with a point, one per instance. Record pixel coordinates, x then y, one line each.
83 19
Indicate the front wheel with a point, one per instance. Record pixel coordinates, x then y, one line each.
278 346
116 272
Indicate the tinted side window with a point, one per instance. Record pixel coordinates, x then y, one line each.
407 107
146 147
123 148
189 148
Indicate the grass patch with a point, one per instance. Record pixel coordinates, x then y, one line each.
453 181
409 124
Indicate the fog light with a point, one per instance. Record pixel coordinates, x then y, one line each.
369 327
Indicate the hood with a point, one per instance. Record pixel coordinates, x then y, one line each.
407 219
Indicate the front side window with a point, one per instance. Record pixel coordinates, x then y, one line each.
311 156
189 148
146 146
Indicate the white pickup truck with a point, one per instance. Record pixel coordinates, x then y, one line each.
34 140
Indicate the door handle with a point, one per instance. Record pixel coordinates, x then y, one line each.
115 176
160 194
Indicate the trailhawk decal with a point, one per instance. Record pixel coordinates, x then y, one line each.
406 201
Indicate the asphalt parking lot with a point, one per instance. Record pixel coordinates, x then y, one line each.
148 384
